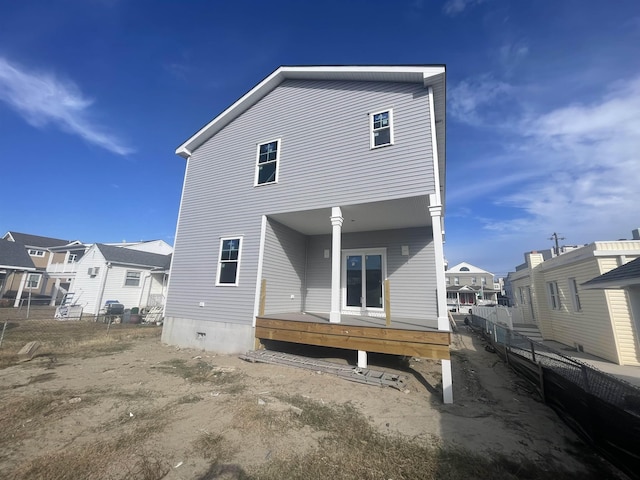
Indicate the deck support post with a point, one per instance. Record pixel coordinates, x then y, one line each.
54 293
336 254
362 359
23 280
447 383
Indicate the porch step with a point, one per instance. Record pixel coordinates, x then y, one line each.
530 331
354 374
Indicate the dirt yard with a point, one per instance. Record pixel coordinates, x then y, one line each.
137 409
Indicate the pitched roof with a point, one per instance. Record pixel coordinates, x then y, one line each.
426 75
623 276
14 256
36 241
469 269
134 257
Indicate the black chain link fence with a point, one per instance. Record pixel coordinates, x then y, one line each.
601 408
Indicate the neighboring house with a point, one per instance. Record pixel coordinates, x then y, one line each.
38 283
314 204
468 285
552 294
14 262
133 277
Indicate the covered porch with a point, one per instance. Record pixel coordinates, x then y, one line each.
366 277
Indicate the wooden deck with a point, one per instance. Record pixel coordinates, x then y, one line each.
408 337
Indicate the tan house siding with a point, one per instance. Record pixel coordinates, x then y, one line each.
621 318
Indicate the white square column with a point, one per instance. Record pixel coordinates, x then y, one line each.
336 254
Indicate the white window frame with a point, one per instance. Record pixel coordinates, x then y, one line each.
343 283
27 283
456 280
127 278
238 261
278 143
473 280
72 258
36 253
554 296
575 295
372 130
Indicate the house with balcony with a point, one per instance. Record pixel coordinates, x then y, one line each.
468 285
38 282
572 301
312 212
14 261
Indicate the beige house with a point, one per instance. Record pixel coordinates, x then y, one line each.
552 295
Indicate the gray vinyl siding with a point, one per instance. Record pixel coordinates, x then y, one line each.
412 280
284 268
325 160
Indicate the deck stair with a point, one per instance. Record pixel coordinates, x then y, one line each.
348 372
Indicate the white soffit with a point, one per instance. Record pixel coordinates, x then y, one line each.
425 75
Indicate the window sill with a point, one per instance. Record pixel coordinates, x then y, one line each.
376 147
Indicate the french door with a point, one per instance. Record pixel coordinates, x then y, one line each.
363 274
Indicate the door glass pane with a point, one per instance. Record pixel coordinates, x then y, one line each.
374 280
354 281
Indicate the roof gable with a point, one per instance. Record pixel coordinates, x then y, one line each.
424 74
465 267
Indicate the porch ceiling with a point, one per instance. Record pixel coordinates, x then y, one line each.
364 217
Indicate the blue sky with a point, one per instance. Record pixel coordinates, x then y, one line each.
543 108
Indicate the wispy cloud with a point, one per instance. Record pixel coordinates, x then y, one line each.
454 7
42 99
588 155
472 101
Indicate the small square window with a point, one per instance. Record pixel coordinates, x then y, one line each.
229 261
268 157
33 281
381 128
132 279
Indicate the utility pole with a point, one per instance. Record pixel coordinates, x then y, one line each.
554 236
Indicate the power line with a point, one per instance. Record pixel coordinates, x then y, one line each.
554 236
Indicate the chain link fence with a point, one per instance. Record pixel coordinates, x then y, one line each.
70 335
601 408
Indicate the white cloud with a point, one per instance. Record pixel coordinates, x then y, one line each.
472 100
42 99
589 155
453 7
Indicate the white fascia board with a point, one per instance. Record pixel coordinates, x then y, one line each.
19 269
616 253
426 75
612 284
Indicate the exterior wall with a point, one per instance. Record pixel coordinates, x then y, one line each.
412 284
156 246
284 268
322 164
465 278
625 332
87 289
129 296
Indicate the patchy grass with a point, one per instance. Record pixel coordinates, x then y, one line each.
353 448
70 338
211 446
227 379
189 399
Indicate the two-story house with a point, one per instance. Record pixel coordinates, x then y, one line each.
468 285
312 212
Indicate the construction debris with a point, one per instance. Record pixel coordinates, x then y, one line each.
348 372
27 352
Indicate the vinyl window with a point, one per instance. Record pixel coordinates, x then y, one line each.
229 261
575 296
267 161
132 279
554 295
36 253
381 128
33 281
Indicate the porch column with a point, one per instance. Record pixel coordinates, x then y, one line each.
54 293
336 254
435 209
23 280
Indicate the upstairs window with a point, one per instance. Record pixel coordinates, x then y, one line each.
381 129
575 296
72 258
132 279
229 261
267 162
473 280
36 253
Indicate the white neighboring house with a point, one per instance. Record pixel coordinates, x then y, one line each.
468 285
131 276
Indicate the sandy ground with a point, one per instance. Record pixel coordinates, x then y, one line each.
99 397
